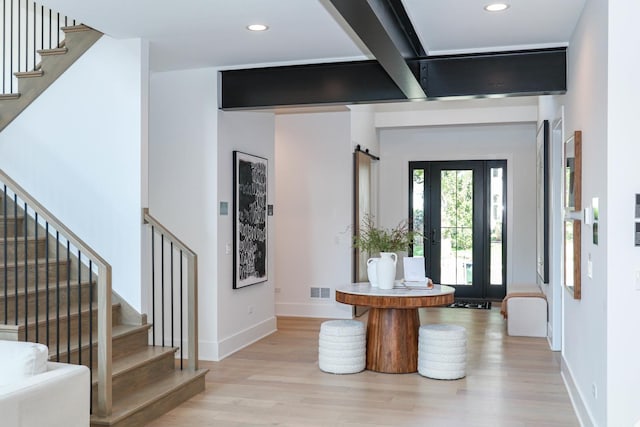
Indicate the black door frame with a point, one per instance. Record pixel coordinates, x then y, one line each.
481 287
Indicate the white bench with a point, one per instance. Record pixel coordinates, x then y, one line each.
526 312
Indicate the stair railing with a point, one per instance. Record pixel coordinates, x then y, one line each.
27 28
171 284
21 213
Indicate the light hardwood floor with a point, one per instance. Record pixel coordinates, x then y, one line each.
511 381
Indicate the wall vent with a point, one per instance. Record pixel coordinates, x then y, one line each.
324 293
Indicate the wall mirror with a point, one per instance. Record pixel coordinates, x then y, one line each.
572 183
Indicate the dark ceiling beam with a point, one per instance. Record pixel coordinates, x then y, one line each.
532 72
395 20
366 25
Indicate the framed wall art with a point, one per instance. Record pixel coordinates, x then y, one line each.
572 186
249 219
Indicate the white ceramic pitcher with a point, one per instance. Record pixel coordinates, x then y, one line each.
386 270
372 265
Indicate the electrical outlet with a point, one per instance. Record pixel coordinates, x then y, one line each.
594 390
227 248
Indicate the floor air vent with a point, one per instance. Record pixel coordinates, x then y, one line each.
320 292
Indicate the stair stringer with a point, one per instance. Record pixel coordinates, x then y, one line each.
78 39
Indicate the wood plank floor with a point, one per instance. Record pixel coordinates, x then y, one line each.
511 381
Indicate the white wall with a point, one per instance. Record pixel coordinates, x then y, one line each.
245 315
65 148
313 211
514 142
622 184
585 353
190 171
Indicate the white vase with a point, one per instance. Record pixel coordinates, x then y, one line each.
372 265
386 270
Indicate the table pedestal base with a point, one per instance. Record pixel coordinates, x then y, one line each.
392 340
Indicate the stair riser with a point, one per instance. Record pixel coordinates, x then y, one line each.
34 249
30 273
42 300
130 344
140 377
161 406
11 225
73 324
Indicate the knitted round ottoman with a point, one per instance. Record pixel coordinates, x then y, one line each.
342 346
442 351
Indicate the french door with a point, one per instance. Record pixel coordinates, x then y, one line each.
459 208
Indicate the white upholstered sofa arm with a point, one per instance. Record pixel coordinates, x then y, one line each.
58 397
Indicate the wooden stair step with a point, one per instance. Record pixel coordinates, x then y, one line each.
54 51
28 74
56 269
121 336
31 242
11 220
76 28
8 96
140 369
147 403
40 296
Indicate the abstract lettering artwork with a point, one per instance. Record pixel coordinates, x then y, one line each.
249 219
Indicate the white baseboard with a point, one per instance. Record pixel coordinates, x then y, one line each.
321 311
216 351
242 339
582 412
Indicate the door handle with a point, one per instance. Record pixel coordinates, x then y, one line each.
433 237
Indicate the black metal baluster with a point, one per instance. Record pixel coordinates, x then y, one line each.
15 255
35 18
26 36
4 47
26 276
6 261
171 294
50 30
91 329
37 274
58 296
153 284
11 47
181 339
68 302
79 307
58 29
46 277
41 27
162 283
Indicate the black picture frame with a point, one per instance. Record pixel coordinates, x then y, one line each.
543 137
250 241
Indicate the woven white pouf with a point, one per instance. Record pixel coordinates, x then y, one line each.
442 351
342 346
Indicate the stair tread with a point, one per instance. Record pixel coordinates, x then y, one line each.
63 314
146 396
32 261
28 74
125 364
53 51
6 96
31 289
117 331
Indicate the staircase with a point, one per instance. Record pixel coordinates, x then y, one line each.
49 295
54 62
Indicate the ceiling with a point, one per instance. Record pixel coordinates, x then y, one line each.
211 33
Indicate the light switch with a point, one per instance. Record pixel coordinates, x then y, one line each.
589 267
637 280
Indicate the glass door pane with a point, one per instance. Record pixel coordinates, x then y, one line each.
456 227
418 207
496 221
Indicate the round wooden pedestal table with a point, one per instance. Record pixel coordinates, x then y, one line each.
392 328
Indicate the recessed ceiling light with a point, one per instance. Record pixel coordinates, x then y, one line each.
496 7
257 27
